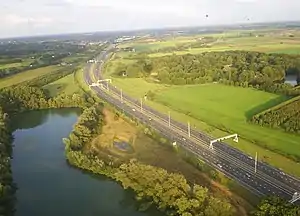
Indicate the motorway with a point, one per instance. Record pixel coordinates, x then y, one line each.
235 164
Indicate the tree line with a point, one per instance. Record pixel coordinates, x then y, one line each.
7 186
15 100
87 127
275 206
38 63
285 115
240 68
35 55
51 77
168 191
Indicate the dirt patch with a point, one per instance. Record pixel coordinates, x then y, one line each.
115 130
151 152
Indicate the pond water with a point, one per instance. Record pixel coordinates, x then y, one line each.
291 79
123 146
47 185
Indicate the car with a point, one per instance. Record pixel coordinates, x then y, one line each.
133 110
150 119
219 165
183 139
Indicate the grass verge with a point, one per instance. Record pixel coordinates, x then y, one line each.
229 116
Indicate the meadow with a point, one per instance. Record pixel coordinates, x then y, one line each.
27 75
228 108
25 62
219 110
152 152
260 44
278 42
65 85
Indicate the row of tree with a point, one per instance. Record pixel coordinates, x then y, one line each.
36 55
243 68
284 116
275 206
7 187
15 100
23 98
170 192
87 127
51 77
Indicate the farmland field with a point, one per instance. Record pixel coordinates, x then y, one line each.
27 75
217 109
146 46
226 41
268 44
25 62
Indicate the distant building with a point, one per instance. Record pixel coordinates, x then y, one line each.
128 49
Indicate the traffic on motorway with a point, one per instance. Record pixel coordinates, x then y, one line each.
267 180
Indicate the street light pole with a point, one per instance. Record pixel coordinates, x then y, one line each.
189 129
121 96
255 165
169 119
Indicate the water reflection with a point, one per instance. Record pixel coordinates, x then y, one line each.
48 185
33 119
291 79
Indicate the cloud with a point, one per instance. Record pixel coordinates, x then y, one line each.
157 7
14 19
60 3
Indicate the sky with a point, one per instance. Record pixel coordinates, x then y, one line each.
40 17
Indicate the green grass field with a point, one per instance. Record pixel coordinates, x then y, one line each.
148 46
260 44
219 110
27 75
17 64
273 41
216 108
66 85
228 108
25 62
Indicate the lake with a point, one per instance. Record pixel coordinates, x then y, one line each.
47 185
291 79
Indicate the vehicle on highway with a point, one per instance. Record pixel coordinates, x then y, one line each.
233 163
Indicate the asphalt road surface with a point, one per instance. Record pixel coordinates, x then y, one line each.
235 164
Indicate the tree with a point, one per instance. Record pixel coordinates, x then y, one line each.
275 206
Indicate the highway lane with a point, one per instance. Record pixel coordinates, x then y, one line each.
277 175
246 160
233 171
279 183
264 186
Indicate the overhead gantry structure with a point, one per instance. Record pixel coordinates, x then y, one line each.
234 136
99 83
295 197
